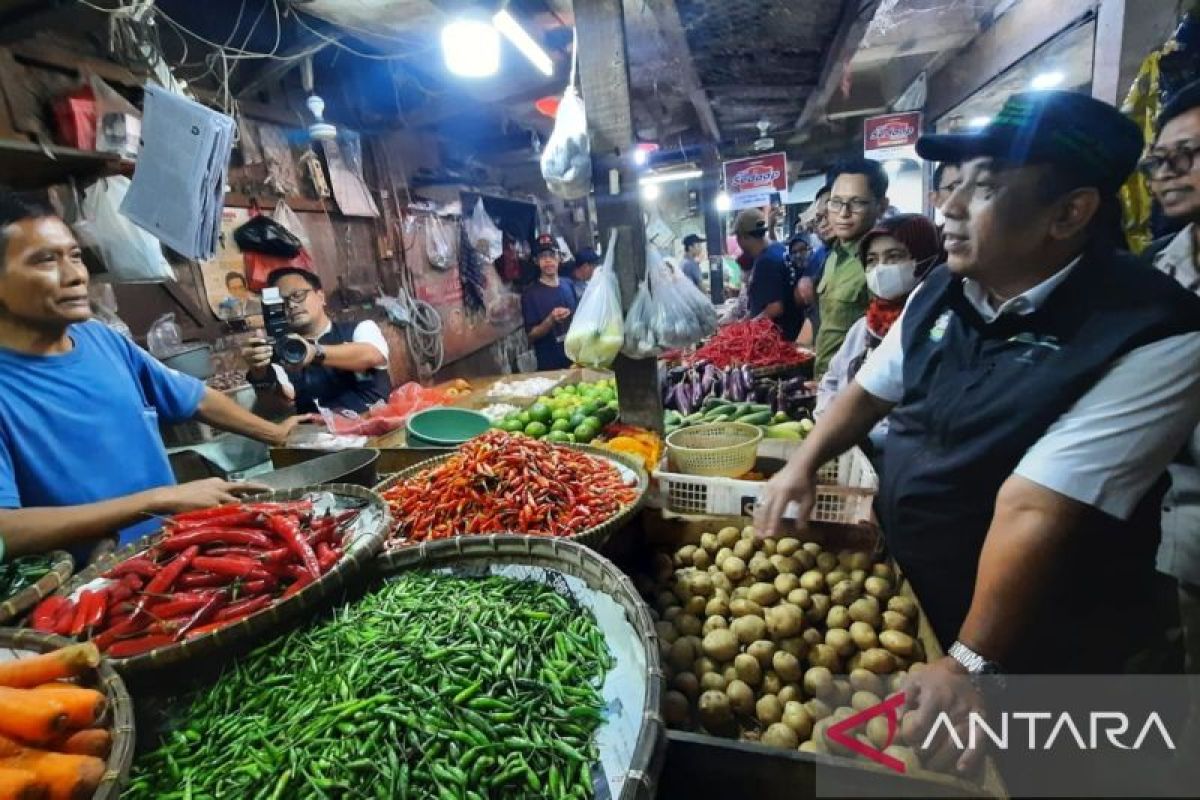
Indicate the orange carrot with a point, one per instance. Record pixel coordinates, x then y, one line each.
87 742
68 777
67 662
21 784
83 706
30 716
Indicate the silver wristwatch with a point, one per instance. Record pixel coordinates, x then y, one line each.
972 662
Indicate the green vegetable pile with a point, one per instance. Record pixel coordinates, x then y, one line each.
430 687
570 414
23 572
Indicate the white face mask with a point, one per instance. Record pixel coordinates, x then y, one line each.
892 281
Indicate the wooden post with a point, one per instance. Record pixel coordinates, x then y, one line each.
604 79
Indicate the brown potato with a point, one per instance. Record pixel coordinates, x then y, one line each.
744 607
763 651
904 605
858 577
703 665
897 681
722 584
721 645
771 682
768 546
713 681
781 735
739 593
844 592
762 568
715 711
863 635
702 559
842 692
787 546
785 565
730 674
671 613
709 542
741 698
864 609
878 587
882 571
686 683
895 621
744 549
860 561
688 625
784 622
785 583
794 645
683 556
805 560
812 746
734 568
790 692
912 762
748 629
721 556
818 681
787 666
818 709
681 654
877 732
701 585
812 637
838 617
796 717
863 680
716 607
667 631
812 548
879 661
680 588
764 594
823 655
749 670
839 639
799 597
813 581
899 643
727 537
768 709
827 562
853 662
819 610
664 600
748 532
676 709
835 577
713 623
696 604
861 701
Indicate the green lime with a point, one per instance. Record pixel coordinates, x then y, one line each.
512 426
589 408
585 433
536 429
606 415
606 395
561 425
561 413
613 404
577 419
524 418
558 391
540 412
569 389
558 437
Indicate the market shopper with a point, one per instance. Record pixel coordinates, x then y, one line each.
345 364
80 453
580 271
1171 170
947 176
896 255
1038 385
857 199
547 306
769 284
693 251
810 278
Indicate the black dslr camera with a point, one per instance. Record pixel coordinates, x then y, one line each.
288 351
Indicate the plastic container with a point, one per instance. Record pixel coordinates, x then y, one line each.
445 427
723 449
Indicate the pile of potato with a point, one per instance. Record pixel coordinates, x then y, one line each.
774 640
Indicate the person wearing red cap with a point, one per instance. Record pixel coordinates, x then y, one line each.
896 254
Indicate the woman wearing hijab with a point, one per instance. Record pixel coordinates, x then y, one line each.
896 255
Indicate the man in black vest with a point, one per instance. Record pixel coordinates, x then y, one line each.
346 366
1038 384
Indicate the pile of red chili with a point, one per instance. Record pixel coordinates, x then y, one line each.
211 568
507 483
754 343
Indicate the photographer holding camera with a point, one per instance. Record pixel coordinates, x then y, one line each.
341 365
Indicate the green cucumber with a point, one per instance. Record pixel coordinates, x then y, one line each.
758 418
711 402
727 409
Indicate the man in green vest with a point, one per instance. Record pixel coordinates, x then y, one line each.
857 199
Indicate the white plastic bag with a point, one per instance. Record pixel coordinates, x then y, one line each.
597 329
438 249
567 159
164 338
289 219
118 122
483 233
678 319
130 254
641 339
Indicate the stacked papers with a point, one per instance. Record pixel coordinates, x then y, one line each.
178 188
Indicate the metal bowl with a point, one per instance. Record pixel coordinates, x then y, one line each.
357 467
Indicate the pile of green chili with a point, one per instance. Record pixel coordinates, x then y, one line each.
23 572
432 686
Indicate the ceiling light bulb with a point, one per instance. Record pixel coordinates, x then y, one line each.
471 48
724 202
651 192
640 157
1047 80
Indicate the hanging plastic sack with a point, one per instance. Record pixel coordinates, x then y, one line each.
118 122
261 234
290 220
438 248
483 233
164 337
567 159
597 328
130 254
677 322
641 340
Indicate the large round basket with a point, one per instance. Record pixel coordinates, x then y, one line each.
363 541
638 777
18 642
62 565
629 466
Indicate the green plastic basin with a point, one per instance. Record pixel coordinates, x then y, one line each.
445 427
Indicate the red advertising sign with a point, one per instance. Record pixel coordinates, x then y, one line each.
892 135
752 181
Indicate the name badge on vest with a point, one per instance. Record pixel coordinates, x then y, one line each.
938 330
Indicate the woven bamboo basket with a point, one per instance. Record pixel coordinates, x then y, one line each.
17 642
594 537
573 559
60 572
368 537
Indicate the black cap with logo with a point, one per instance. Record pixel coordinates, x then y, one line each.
1050 127
545 244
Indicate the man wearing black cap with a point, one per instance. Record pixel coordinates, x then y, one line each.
547 306
1038 384
769 282
692 253
579 272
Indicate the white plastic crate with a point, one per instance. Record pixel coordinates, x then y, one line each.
846 489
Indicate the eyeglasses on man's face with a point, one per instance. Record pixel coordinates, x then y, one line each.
857 205
297 297
1179 160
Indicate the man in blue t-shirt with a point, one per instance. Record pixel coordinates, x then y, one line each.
547 306
769 292
80 453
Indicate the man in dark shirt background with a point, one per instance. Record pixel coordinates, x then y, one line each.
692 252
547 306
769 291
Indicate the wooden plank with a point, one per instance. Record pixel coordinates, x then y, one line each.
855 20
23 105
666 14
604 75
47 53
297 202
34 17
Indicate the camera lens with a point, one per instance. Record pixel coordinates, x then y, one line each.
292 351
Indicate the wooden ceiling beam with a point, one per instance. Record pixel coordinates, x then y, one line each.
856 19
666 14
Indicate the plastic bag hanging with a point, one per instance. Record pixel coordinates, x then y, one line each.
438 249
597 329
678 319
567 159
130 254
290 220
641 338
485 237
